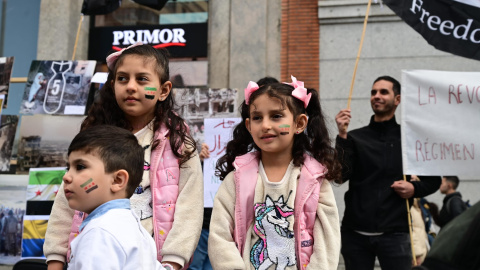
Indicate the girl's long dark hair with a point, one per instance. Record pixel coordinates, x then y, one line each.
314 140
105 109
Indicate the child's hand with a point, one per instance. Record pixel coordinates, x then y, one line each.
55 265
169 265
204 153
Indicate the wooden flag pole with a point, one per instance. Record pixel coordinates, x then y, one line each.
76 39
359 52
18 80
410 227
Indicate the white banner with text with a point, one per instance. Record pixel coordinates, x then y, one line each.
218 132
441 123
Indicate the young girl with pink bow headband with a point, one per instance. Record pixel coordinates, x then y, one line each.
276 189
300 91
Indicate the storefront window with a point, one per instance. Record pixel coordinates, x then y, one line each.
174 12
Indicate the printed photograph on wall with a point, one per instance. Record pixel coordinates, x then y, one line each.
57 87
205 102
2 99
44 140
12 210
196 104
8 128
6 65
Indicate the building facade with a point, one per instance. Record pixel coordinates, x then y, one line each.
316 41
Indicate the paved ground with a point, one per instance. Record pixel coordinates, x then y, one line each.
11 260
7 262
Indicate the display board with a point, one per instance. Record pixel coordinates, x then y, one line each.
57 87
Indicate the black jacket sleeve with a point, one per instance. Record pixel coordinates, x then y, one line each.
426 186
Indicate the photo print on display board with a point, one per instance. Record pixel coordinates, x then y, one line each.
6 66
44 140
12 210
195 104
2 99
211 114
203 103
8 128
57 87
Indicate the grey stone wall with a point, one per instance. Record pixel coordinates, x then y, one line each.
244 42
59 20
389 47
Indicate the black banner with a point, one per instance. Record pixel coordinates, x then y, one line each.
450 26
181 40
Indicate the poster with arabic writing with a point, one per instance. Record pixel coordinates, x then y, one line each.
218 132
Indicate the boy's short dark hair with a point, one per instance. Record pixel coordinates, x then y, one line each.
454 180
118 148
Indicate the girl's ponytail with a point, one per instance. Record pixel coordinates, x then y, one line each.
241 144
320 142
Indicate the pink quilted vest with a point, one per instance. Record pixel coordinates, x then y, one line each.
306 201
164 177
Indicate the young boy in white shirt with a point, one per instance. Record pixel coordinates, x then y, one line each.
105 166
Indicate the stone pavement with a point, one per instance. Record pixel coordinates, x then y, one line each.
7 262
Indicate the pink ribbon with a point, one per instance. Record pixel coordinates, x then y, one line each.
300 91
112 58
251 87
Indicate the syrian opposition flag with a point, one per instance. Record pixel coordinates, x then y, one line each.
449 25
43 184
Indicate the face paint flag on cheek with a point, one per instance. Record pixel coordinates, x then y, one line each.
89 185
284 129
150 92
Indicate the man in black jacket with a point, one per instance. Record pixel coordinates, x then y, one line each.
453 205
375 223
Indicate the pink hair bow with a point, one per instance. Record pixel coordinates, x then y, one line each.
300 91
112 58
251 87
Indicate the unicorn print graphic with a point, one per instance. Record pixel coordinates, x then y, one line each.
276 243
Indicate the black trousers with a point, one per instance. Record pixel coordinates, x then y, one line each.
392 249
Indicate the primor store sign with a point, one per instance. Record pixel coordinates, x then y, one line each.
185 40
159 38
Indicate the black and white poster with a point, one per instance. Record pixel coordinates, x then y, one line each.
57 87
6 65
449 25
8 128
196 104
